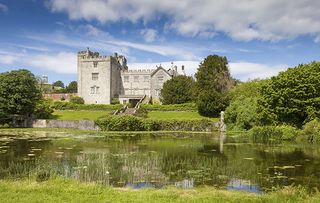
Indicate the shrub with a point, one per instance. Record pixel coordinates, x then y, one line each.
131 123
120 123
141 112
311 131
43 110
115 101
241 114
267 133
77 100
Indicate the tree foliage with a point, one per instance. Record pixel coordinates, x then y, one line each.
72 87
213 82
241 114
292 97
19 93
58 83
77 100
177 90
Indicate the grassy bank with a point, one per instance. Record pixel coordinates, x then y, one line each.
59 190
161 115
78 115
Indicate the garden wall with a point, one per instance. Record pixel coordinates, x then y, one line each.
80 124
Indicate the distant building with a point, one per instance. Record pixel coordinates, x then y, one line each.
102 78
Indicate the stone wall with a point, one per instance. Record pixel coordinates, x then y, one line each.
59 97
80 124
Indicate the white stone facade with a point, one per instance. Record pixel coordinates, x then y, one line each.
102 78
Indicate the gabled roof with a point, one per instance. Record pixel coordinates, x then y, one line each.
160 68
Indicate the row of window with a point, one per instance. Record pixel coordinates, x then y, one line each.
145 78
95 76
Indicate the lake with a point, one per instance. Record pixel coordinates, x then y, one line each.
157 161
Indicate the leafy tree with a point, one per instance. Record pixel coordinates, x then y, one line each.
242 114
213 82
177 90
58 83
292 97
43 109
19 93
72 87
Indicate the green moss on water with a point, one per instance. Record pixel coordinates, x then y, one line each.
61 190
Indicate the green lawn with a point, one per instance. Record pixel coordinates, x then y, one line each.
179 115
161 115
61 190
78 115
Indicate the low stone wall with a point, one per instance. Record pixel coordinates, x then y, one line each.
80 124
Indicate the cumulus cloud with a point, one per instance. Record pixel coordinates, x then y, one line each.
149 35
3 8
240 19
240 70
63 62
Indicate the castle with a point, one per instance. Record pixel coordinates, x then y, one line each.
102 78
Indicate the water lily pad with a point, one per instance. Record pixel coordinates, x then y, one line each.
31 155
248 158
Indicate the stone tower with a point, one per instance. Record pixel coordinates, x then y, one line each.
99 77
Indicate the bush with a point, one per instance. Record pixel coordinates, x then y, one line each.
43 110
267 133
77 100
115 101
120 123
171 107
241 114
311 131
131 123
141 112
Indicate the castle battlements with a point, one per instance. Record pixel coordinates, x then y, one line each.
139 71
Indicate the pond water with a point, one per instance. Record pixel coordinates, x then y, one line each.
154 161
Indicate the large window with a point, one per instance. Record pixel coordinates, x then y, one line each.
136 79
95 90
95 76
95 64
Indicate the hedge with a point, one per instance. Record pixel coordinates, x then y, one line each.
170 107
131 123
59 105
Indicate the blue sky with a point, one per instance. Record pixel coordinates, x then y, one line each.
259 38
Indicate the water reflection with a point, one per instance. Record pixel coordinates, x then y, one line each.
181 162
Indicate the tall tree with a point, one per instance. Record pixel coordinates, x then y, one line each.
72 87
19 93
213 82
177 90
58 83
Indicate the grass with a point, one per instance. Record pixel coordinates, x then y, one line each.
177 115
60 190
161 115
78 115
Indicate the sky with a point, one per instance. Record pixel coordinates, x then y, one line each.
258 37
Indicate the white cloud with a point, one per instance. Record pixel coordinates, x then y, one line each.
8 59
63 62
240 19
149 35
240 70
3 8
